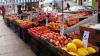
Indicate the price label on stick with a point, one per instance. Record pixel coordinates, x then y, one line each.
46 21
62 29
85 38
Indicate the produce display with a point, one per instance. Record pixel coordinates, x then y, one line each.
24 23
57 25
75 34
40 17
76 48
73 46
73 21
12 18
53 19
80 15
50 16
38 31
75 18
84 13
56 39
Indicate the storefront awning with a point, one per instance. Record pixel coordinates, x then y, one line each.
22 1
17 1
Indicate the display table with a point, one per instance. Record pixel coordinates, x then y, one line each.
94 29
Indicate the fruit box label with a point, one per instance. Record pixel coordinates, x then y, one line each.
85 38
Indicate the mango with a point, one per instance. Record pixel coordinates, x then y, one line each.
71 47
78 42
73 54
82 52
91 50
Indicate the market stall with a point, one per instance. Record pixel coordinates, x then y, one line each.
55 33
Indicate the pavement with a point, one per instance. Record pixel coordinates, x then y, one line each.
11 44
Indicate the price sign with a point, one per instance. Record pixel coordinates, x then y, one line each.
85 38
46 21
62 29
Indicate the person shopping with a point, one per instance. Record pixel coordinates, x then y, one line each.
3 11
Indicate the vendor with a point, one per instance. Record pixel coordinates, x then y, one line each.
19 11
67 6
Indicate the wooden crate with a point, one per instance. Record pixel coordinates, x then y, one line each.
94 36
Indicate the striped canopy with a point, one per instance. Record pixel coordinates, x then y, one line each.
18 1
21 1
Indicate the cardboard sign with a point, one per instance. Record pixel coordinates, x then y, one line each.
85 38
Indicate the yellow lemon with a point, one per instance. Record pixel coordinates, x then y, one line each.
78 42
73 54
82 52
71 47
91 50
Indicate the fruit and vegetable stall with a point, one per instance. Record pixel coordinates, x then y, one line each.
42 34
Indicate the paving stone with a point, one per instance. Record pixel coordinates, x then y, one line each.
11 44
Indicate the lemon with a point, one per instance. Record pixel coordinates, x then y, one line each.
71 47
78 42
91 50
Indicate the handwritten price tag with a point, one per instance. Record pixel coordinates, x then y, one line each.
85 38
